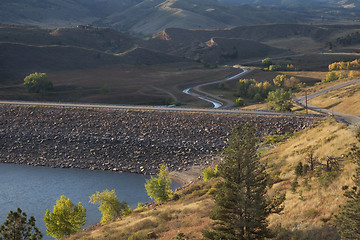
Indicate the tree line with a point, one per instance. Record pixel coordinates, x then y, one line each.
278 95
353 65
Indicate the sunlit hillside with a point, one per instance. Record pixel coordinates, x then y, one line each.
309 210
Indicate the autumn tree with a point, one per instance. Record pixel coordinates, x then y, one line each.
66 218
159 188
241 203
251 89
279 80
109 205
16 226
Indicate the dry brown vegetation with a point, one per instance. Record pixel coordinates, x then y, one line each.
344 100
315 202
158 84
188 215
308 211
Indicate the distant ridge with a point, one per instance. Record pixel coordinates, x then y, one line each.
24 50
144 17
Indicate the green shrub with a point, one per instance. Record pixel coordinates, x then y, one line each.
158 188
223 86
327 178
239 102
273 68
267 62
37 82
273 139
164 216
294 185
299 169
109 205
209 173
180 236
140 207
280 100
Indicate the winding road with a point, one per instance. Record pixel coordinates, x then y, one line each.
219 103
212 98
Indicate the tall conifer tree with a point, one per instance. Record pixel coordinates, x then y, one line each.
241 202
348 220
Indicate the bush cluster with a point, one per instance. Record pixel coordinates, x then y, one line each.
353 65
251 89
333 76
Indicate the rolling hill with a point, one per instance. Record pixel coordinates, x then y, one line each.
28 49
58 13
25 50
149 17
144 17
285 36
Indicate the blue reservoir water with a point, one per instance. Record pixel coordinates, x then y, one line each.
35 189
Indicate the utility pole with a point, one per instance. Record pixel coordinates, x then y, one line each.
306 100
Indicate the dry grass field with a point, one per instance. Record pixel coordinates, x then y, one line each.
345 100
152 85
317 198
188 215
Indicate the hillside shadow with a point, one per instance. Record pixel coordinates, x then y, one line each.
316 233
332 105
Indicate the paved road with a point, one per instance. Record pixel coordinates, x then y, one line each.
155 108
347 118
212 98
218 101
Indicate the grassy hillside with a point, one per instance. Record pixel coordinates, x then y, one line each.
59 13
344 100
158 15
99 52
103 39
308 211
216 49
26 50
156 84
144 17
19 60
296 37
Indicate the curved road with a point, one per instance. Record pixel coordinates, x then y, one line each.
224 103
347 118
212 98
216 100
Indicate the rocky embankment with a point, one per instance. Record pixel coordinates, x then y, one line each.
118 140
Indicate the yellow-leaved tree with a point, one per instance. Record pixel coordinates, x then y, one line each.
66 218
159 188
109 205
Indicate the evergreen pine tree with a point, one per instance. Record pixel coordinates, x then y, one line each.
17 226
348 220
241 202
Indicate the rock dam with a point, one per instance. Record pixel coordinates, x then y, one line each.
123 140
